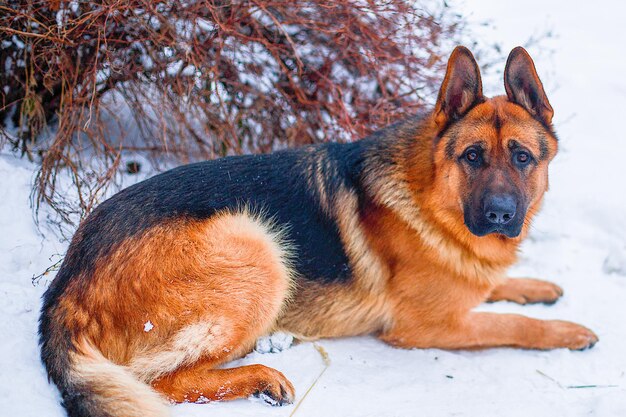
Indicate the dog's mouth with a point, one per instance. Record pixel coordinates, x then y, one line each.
505 232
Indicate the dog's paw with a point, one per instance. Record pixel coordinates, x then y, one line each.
276 342
273 387
564 334
527 291
538 291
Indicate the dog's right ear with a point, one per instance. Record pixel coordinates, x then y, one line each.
461 89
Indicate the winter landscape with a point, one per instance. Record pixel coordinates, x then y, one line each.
578 241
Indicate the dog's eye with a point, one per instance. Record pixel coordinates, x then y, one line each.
522 158
472 156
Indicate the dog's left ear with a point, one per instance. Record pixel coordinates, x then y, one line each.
524 87
461 87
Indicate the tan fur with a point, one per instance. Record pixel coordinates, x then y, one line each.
118 391
173 277
322 310
366 264
187 346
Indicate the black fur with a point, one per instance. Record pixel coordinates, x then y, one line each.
276 185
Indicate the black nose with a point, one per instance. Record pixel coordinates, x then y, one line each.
500 208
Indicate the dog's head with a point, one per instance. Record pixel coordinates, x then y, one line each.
492 154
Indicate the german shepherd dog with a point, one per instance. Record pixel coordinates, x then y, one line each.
399 235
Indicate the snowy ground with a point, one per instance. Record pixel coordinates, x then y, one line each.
578 241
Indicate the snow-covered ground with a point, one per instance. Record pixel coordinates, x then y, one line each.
578 241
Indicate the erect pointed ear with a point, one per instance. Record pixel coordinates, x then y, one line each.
524 87
461 88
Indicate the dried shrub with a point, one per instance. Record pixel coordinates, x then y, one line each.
203 79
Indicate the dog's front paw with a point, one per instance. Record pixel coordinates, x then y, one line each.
564 334
527 291
538 291
276 342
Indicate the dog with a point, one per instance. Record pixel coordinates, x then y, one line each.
399 235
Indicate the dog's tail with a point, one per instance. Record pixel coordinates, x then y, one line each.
90 384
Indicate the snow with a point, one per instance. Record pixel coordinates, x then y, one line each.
17 42
205 25
615 262
23 253
147 326
578 241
